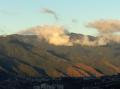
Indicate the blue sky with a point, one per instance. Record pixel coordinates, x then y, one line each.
16 15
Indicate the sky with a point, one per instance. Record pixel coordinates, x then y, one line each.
17 15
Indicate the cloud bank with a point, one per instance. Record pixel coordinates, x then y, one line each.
57 35
106 26
107 30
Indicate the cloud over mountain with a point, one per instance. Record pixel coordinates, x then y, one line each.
107 30
57 35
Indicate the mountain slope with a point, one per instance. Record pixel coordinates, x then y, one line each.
22 58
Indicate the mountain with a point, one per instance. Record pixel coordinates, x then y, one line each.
27 56
51 51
